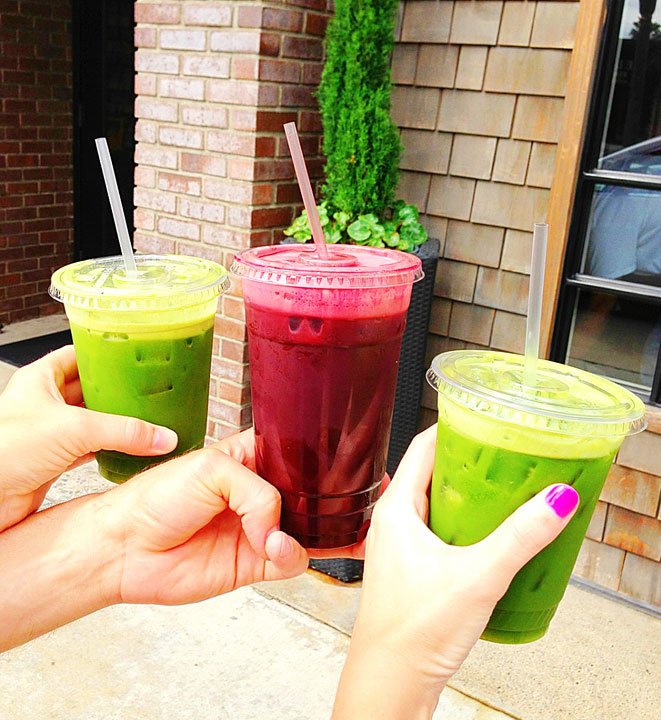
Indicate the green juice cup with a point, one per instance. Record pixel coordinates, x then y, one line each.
143 344
500 442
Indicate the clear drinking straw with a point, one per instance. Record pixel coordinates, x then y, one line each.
306 189
116 206
533 321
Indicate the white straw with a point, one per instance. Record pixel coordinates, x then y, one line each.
534 319
306 189
116 206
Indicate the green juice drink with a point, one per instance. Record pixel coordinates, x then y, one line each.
143 344
500 442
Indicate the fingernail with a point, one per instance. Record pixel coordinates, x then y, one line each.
562 499
164 439
287 546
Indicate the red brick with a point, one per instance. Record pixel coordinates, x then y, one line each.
145 37
205 164
233 392
250 16
273 121
244 68
234 92
144 219
312 4
242 169
635 533
242 41
145 131
262 194
156 156
264 146
239 216
205 15
288 20
170 226
233 143
183 39
153 244
274 170
145 84
179 183
180 137
228 191
312 73
237 372
224 237
243 119
298 96
154 200
301 47
145 176
271 217
164 63
279 70
199 250
224 411
288 193
157 13
315 24
205 116
232 350
201 210
269 44
183 89
310 122
206 66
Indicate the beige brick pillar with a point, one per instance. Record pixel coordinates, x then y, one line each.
215 82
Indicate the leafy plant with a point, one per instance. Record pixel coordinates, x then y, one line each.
401 230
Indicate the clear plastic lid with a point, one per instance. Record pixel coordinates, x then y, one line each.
565 399
162 282
348 266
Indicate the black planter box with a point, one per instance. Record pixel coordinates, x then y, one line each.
408 395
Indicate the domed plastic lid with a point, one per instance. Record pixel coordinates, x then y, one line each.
162 282
348 266
564 400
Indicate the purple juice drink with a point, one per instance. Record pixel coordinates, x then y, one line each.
324 340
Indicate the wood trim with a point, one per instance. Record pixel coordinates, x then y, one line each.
589 28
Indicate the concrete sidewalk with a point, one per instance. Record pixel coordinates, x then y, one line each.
277 649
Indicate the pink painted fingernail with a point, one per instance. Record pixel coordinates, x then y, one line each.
562 499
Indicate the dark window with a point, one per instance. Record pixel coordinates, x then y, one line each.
609 310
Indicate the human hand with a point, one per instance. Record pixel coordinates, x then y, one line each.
424 603
196 527
44 431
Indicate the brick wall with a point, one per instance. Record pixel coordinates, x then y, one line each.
215 82
479 97
36 181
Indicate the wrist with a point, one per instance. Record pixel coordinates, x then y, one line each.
59 568
379 681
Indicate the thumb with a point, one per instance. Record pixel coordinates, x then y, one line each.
103 431
531 527
286 558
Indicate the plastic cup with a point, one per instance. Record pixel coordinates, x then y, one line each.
324 339
500 442
143 344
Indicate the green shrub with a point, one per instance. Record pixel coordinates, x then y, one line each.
361 142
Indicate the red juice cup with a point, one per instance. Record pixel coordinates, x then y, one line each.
324 338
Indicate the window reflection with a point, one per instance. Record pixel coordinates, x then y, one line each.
624 237
634 113
616 337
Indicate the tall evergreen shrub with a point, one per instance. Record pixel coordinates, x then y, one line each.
361 143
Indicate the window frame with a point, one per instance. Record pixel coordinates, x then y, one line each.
588 176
